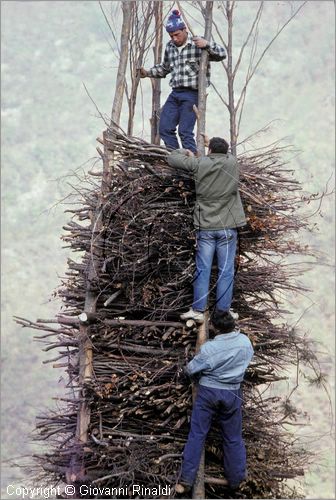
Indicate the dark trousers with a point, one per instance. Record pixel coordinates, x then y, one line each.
178 111
227 404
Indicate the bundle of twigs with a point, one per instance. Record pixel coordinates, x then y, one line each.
143 261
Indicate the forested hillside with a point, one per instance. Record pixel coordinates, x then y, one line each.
49 125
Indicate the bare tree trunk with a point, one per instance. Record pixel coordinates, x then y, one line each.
141 21
75 472
230 77
156 82
127 6
198 487
202 83
202 334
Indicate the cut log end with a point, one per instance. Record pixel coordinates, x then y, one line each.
86 318
190 323
180 488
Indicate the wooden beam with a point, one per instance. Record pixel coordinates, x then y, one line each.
156 82
216 480
75 472
121 74
202 336
202 81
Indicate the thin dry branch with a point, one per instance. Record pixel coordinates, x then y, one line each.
254 67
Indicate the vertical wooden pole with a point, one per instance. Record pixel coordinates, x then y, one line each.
202 335
76 470
198 487
127 7
232 110
141 22
75 473
156 82
202 83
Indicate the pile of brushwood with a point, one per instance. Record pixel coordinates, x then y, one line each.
143 259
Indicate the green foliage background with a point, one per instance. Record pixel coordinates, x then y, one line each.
49 126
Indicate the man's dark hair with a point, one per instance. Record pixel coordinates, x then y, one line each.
218 145
223 322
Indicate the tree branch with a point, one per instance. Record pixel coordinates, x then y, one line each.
248 78
254 25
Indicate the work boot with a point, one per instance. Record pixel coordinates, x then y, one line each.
197 316
231 312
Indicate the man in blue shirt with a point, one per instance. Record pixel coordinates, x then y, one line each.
219 366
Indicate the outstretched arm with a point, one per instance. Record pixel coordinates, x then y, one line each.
160 70
183 159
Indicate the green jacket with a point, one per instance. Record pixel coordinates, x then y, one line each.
218 204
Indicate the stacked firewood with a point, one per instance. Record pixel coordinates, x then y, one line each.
143 260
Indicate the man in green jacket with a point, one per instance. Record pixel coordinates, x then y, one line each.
218 213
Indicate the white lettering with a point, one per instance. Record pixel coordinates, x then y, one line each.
10 490
21 492
84 490
136 488
165 490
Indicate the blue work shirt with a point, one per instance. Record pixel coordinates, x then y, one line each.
221 362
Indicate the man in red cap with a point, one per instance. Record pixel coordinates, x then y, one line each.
181 60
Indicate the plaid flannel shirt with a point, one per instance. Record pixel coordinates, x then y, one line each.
184 64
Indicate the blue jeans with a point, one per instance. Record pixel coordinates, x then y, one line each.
178 110
223 242
227 404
